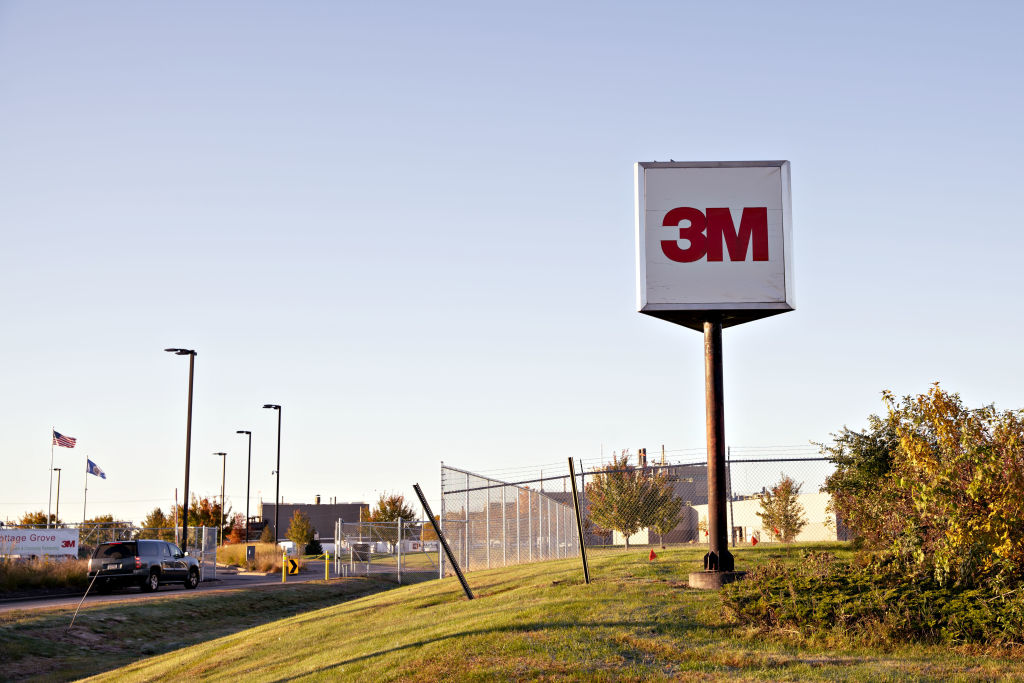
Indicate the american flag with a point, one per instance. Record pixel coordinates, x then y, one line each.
61 440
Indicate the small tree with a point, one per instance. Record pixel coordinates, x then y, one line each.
314 548
300 531
267 535
389 510
667 514
781 513
626 499
237 529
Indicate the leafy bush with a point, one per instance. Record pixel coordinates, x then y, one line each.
939 485
314 548
874 602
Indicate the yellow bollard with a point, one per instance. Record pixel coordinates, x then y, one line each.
327 565
284 567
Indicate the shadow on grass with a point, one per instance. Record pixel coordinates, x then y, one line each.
510 629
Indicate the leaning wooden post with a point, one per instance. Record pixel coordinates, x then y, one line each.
444 543
579 521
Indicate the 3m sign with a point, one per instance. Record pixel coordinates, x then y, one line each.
713 241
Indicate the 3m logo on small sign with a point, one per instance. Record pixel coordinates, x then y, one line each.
67 544
713 232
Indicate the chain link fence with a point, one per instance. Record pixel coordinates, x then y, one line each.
408 551
491 523
633 501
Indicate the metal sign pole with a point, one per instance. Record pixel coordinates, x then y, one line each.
718 558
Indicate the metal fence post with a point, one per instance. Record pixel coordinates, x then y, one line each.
504 544
549 526
468 567
519 546
487 523
440 558
529 521
398 558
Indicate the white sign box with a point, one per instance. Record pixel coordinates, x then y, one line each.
713 241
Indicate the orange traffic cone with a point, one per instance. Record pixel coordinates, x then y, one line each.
652 556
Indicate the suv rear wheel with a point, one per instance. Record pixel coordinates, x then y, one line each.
151 583
193 578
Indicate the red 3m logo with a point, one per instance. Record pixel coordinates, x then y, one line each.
707 233
67 544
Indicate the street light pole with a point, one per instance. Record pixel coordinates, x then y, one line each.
188 440
223 468
248 474
56 515
277 490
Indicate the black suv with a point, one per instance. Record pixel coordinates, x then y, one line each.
142 563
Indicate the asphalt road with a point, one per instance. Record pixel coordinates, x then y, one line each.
227 580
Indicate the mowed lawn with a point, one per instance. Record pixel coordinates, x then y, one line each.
637 620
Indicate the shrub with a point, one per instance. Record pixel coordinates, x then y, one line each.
939 485
314 548
874 602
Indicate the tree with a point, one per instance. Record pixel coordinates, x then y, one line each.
206 512
157 525
389 510
781 513
300 531
37 519
667 513
427 533
626 499
237 529
267 535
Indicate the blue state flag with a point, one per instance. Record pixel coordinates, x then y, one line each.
93 468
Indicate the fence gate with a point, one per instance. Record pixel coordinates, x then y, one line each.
395 549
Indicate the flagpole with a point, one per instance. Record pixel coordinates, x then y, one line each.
49 501
85 498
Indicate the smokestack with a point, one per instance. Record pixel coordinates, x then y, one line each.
317 499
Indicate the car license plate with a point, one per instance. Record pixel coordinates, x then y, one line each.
112 565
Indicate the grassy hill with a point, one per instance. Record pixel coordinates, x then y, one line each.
637 620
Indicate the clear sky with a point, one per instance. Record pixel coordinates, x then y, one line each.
411 224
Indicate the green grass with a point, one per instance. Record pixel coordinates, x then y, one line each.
36 645
638 620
